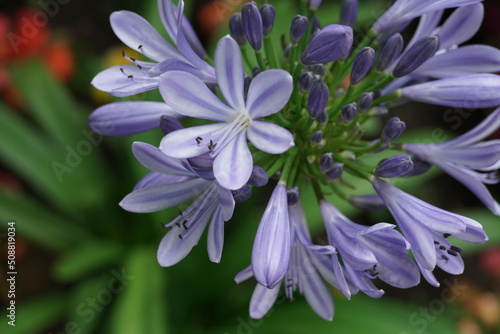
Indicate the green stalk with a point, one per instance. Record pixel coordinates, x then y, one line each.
271 52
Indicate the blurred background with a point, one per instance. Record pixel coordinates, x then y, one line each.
86 266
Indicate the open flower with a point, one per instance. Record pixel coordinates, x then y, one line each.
226 141
138 34
308 263
419 222
171 183
468 159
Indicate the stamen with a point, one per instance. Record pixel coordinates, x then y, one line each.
444 257
446 235
180 236
456 249
452 252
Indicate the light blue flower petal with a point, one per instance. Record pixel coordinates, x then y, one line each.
124 80
229 70
271 248
462 24
183 143
155 160
269 137
162 196
128 118
215 236
262 300
268 93
189 96
139 34
234 163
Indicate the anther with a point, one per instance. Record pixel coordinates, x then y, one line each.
178 225
121 69
130 76
456 249
180 236
198 139
184 224
446 235
452 252
442 248
444 257
436 243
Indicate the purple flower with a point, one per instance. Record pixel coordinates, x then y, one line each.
419 222
369 252
271 248
308 263
470 91
226 141
138 34
128 118
468 159
403 11
329 44
171 183
349 12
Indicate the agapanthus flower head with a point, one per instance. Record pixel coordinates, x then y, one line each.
298 116
420 223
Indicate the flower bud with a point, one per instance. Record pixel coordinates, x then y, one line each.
318 98
416 55
362 65
298 28
236 29
349 12
317 137
419 167
242 194
348 112
326 162
258 178
336 171
365 102
255 71
322 118
329 44
268 13
395 166
169 124
318 69
252 25
292 195
389 52
316 26
305 82
392 130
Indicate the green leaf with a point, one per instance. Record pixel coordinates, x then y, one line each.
360 315
38 224
36 315
48 101
141 307
81 261
89 302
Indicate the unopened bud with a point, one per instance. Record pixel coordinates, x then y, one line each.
416 55
362 65
395 166
298 28
389 52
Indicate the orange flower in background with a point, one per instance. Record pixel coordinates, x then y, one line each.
26 34
215 13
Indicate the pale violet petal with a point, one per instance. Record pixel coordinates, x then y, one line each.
233 165
462 24
128 118
174 64
162 196
429 276
124 80
173 248
189 96
269 137
470 91
139 34
154 179
183 143
268 93
262 300
271 248
465 60
155 160
243 275
229 70
215 236
226 200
